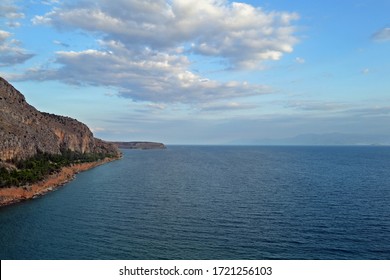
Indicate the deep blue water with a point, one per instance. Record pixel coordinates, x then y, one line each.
191 202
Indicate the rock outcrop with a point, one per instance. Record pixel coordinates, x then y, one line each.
24 131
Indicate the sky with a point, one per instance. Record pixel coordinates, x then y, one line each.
203 71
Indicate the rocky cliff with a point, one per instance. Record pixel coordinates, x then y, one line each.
24 131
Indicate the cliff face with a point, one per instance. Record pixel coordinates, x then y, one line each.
24 131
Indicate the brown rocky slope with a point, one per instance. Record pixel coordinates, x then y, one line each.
25 131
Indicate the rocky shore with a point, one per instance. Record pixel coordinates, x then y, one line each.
14 195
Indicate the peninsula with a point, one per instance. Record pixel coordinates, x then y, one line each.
140 145
40 151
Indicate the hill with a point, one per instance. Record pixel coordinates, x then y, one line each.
25 131
40 151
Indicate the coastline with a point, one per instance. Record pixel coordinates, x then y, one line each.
54 181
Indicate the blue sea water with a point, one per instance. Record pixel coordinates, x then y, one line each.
201 202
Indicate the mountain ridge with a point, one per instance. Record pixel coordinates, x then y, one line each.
25 131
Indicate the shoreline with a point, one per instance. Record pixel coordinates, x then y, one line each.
13 195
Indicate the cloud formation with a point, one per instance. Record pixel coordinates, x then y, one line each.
145 47
241 34
62 44
227 106
300 60
10 11
142 76
382 35
316 106
10 51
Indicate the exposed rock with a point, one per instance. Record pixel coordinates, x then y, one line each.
140 145
24 131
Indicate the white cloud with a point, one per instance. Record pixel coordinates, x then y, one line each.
241 34
9 10
145 47
14 24
141 75
62 44
10 51
41 20
50 2
156 106
320 106
227 106
382 35
300 60
4 35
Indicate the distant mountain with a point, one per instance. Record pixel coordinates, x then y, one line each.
25 131
140 145
325 139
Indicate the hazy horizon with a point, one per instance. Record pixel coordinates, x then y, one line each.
205 72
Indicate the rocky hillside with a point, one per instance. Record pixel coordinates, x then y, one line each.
24 131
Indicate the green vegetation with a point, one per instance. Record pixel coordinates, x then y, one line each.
41 165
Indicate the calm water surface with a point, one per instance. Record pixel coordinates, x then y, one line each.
191 202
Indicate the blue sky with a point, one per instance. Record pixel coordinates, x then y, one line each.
203 72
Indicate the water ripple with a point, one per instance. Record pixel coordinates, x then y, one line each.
213 203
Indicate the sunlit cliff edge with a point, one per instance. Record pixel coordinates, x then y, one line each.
40 152
25 131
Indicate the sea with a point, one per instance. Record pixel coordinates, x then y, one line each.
211 203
